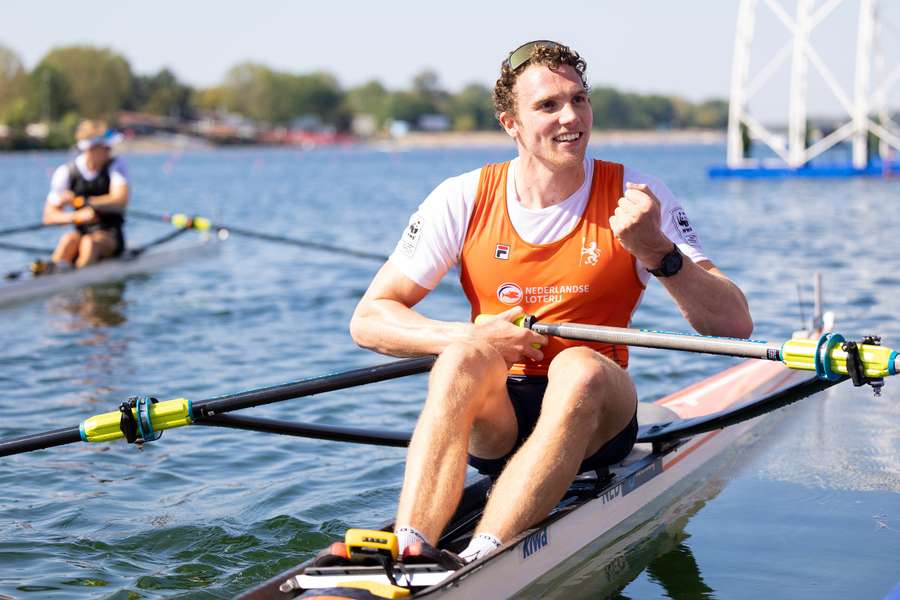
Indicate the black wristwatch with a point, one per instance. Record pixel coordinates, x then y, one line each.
670 264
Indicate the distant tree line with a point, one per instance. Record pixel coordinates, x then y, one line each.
74 82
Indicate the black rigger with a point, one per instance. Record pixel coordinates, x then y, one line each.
208 412
663 433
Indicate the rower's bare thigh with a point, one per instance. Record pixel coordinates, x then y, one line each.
480 373
104 242
586 383
495 430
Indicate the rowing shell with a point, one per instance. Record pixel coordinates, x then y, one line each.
111 269
596 518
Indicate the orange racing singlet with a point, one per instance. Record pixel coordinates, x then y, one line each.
585 277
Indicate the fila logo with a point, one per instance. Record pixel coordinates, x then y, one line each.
502 252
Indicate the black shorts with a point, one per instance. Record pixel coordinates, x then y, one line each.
527 394
116 231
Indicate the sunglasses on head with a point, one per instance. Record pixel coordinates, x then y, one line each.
522 54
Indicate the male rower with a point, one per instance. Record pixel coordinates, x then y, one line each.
551 233
91 193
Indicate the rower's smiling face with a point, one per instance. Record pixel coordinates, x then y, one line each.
553 115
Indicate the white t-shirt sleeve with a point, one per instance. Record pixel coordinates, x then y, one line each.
432 241
674 220
118 174
59 183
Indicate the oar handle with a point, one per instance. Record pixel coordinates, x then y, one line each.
658 339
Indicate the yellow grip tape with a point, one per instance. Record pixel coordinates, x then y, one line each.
163 415
181 221
801 354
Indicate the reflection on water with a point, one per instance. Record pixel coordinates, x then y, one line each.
88 318
650 543
678 573
94 306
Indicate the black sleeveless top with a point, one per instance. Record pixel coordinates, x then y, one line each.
99 186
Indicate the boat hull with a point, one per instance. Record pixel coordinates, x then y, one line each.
582 538
20 290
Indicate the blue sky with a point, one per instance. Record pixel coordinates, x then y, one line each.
679 47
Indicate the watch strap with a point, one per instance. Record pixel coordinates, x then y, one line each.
662 270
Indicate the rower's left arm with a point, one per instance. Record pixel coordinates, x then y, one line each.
113 202
709 300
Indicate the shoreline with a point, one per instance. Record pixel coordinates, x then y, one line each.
447 140
612 137
435 140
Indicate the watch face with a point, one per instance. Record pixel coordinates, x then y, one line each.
671 263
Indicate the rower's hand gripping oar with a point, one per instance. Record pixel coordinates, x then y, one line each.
831 356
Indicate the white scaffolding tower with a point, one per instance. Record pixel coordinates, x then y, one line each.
870 94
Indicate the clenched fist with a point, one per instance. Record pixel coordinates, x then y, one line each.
636 223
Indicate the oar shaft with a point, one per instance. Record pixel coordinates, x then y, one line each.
25 248
372 437
26 228
312 386
181 220
660 339
39 441
178 412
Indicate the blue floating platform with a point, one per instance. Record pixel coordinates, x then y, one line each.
876 168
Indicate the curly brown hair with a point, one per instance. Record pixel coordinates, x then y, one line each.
551 54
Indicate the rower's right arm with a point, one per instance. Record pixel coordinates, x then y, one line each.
58 198
384 321
56 214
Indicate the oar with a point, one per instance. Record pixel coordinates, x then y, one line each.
25 228
25 248
656 433
831 356
333 433
204 224
153 418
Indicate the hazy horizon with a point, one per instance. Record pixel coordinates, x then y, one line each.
651 46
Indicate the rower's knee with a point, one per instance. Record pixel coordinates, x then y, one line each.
70 237
471 358
581 368
86 243
87 252
69 242
464 373
589 387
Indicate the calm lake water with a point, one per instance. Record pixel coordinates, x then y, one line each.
812 512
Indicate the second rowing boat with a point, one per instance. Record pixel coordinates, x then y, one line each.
24 286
